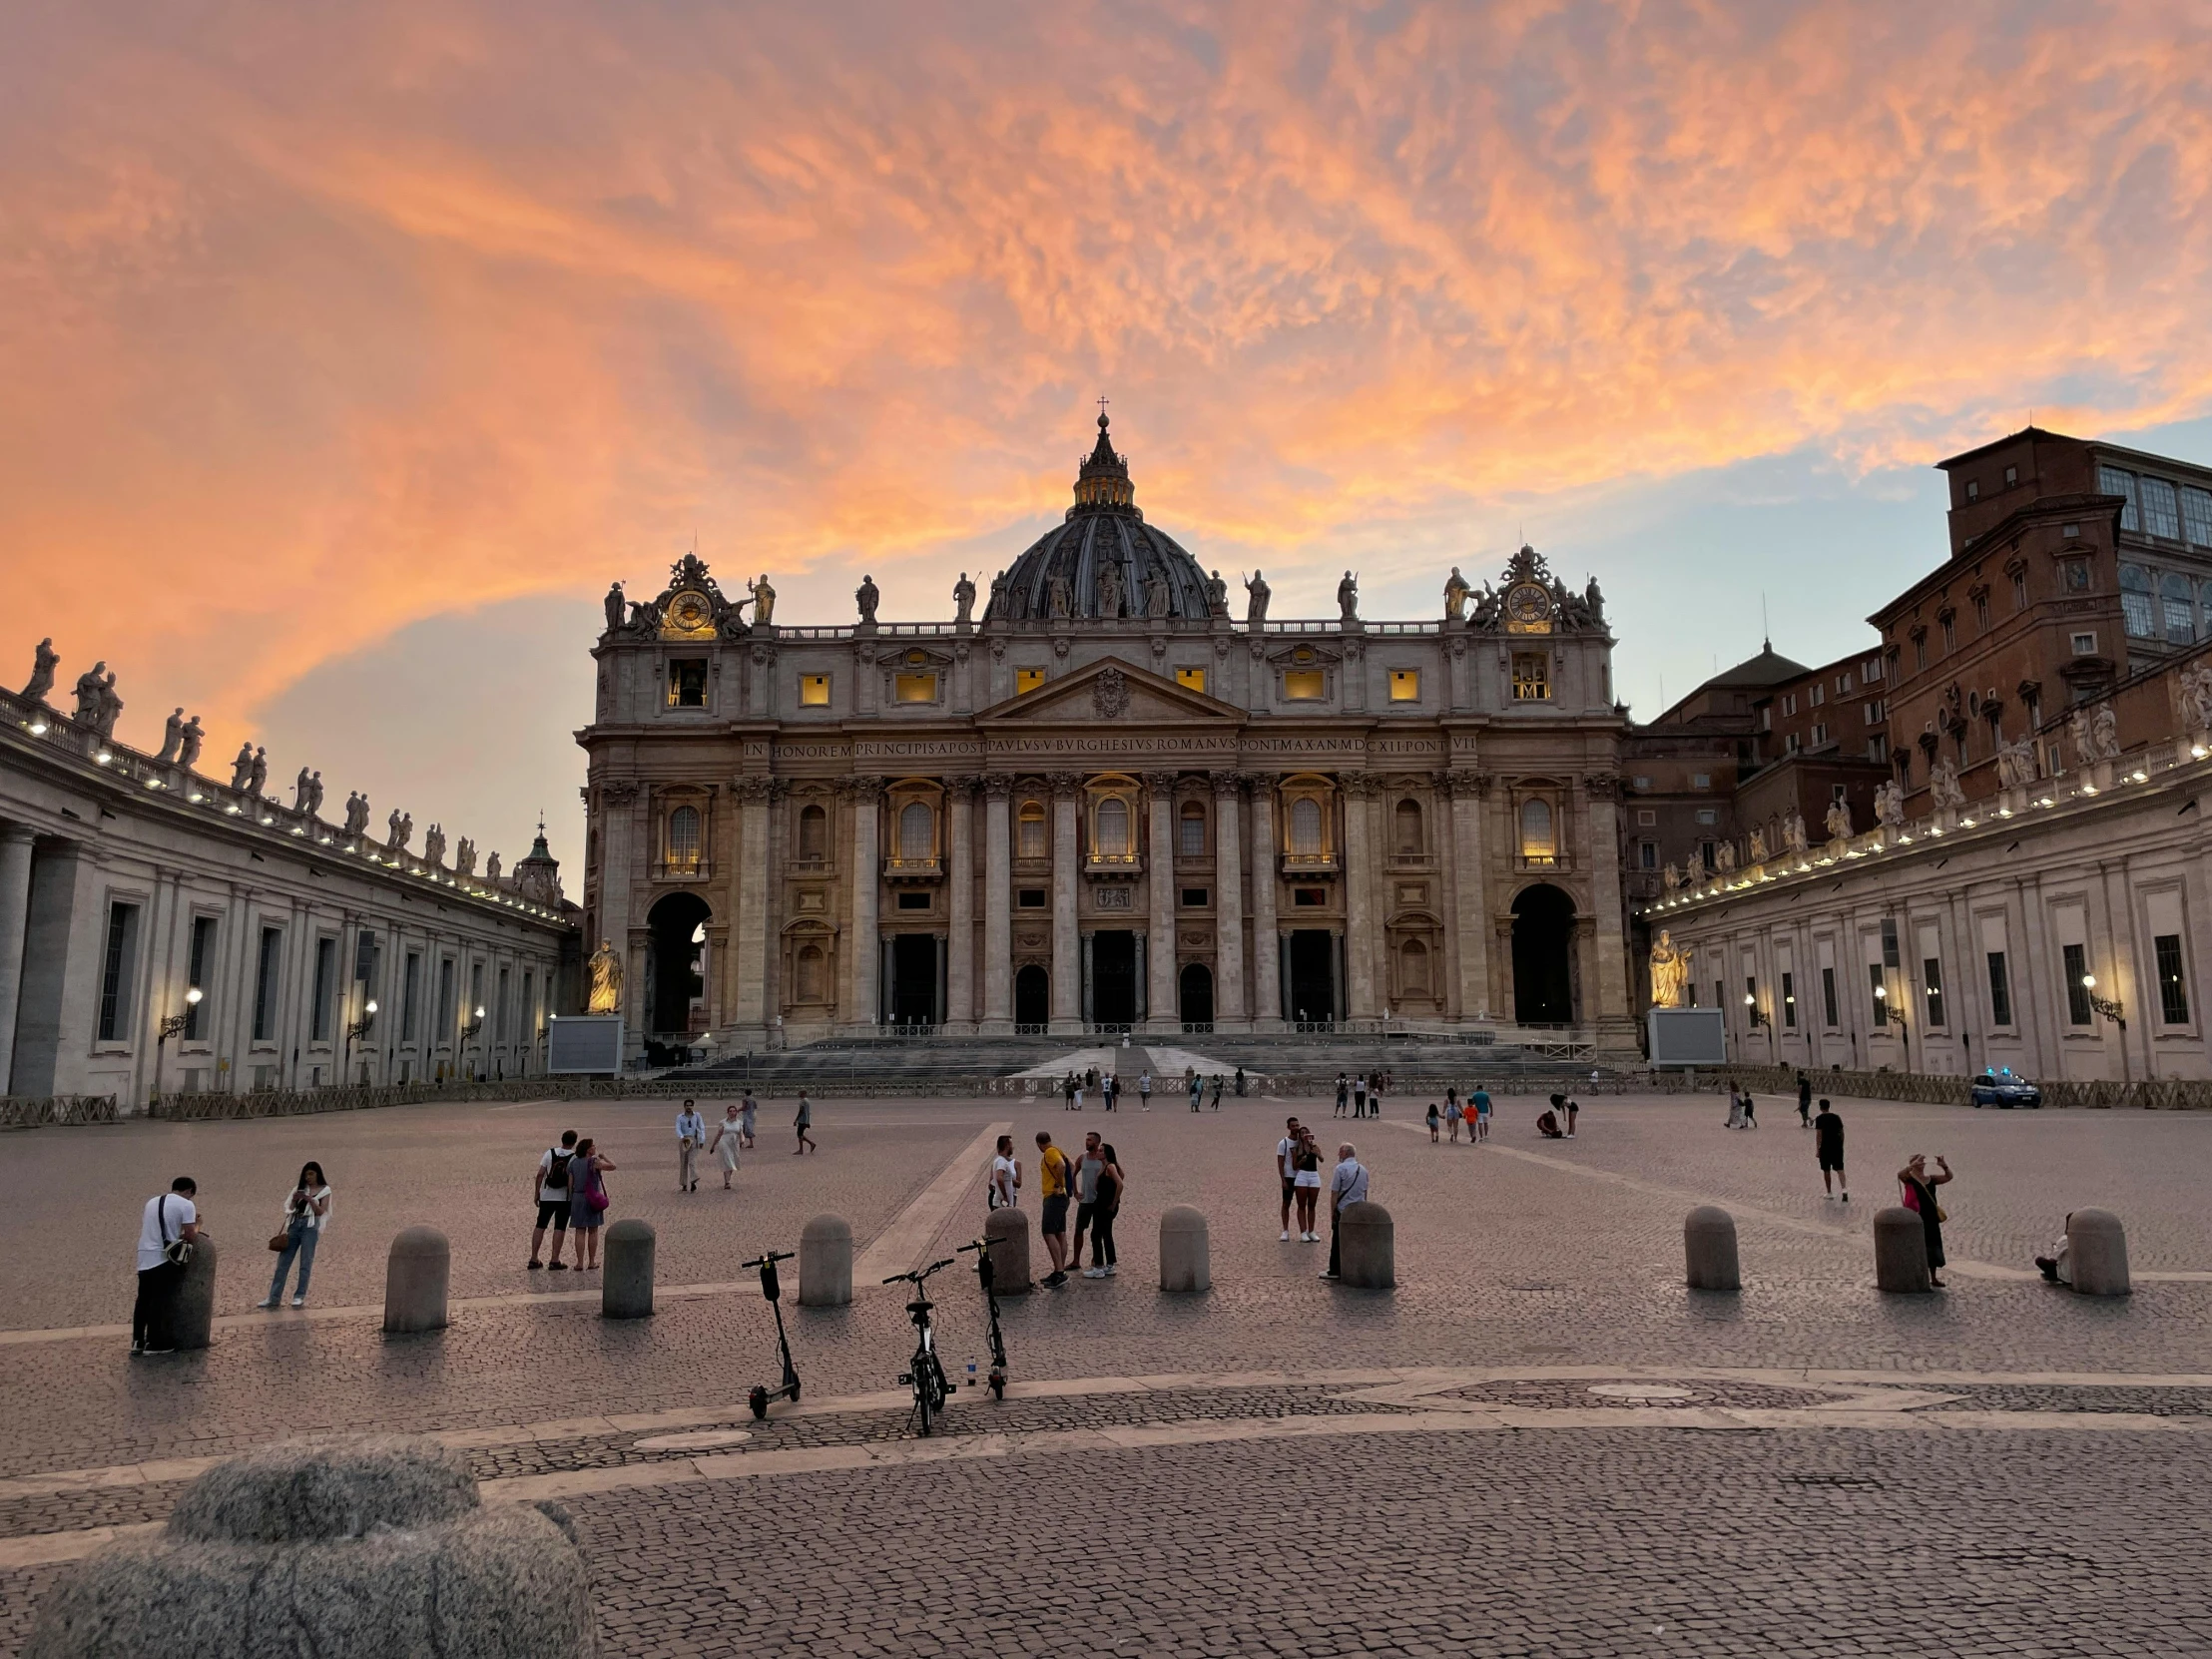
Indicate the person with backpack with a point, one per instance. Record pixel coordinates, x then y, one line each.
167 1234
550 1183
587 1201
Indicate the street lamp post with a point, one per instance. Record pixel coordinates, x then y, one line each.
474 1025
1757 1015
1905 1026
2109 1007
358 1029
170 1027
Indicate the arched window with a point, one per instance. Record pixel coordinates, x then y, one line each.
1193 826
683 838
1537 843
814 833
1412 969
916 832
811 965
1030 842
1306 827
2181 615
2136 608
1113 827
1409 826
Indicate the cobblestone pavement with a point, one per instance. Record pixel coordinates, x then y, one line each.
1549 1266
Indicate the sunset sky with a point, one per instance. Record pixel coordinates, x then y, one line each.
347 352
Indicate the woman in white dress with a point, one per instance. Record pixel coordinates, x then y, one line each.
725 1144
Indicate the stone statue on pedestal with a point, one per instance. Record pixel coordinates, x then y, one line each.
243 767
1456 597
605 968
299 791
963 600
2084 741
89 696
259 774
1217 596
1060 600
2196 698
173 736
1839 820
1670 880
1794 836
1348 599
1889 804
491 867
867 596
1109 590
401 831
612 602
1256 611
1156 594
111 705
1724 858
2104 731
464 857
764 600
314 795
1757 846
188 750
1670 972
42 672
433 846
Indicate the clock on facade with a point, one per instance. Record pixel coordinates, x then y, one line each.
688 614
1527 609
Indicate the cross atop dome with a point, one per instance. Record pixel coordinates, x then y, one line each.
1103 478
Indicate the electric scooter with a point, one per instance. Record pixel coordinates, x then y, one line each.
773 1289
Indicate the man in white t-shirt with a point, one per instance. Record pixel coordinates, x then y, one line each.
169 1217
549 1186
1285 1150
1347 1186
691 1135
1005 1186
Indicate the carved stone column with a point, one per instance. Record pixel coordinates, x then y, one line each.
1229 1013
15 916
1067 971
863 1007
1266 948
754 866
959 952
998 915
1607 1000
1359 880
1165 1014
1469 888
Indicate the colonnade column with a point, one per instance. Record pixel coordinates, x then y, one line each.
1229 975
1067 972
866 1010
1359 880
1266 950
959 950
1165 1015
1611 1002
754 865
15 916
1471 894
998 916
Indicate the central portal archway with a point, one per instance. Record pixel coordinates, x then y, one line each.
676 965
1032 998
1114 979
1197 1001
1313 977
915 979
1543 940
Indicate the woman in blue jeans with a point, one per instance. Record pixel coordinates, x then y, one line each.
306 1211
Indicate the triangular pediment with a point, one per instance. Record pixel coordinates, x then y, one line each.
1110 692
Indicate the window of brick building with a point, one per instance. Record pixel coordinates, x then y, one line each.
2138 610
2196 516
2161 509
2114 480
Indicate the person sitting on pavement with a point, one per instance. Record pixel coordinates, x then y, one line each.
1547 1125
2057 1267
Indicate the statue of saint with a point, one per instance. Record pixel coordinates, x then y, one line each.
188 750
1670 880
433 845
400 830
314 795
111 705
606 980
1757 846
614 607
243 767
1059 600
1109 590
88 695
1889 804
2084 741
42 672
1456 597
1348 598
1839 820
764 600
867 596
173 735
259 774
2104 728
464 857
1724 858
1595 597
963 600
1670 972
1156 593
1217 596
1256 612
491 867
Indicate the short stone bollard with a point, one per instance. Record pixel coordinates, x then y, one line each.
192 1312
1900 1252
1709 1244
826 1263
626 1284
1367 1247
415 1277
1186 1254
1006 1236
2096 1253
375 1548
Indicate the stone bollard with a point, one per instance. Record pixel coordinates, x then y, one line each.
826 1263
2096 1253
1007 1235
192 1311
1367 1254
626 1284
1709 1244
375 1548
1186 1256
1899 1251
415 1275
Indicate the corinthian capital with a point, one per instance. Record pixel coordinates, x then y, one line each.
1066 785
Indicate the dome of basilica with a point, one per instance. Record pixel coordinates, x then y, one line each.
1103 560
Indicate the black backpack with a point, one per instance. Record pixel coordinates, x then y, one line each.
557 1174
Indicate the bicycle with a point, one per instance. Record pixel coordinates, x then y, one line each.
924 1371
985 1273
772 1287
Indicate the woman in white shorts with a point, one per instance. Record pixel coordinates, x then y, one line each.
1306 1185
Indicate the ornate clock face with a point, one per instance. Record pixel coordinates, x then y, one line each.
690 613
1527 609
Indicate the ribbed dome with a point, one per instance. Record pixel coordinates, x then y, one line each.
1103 528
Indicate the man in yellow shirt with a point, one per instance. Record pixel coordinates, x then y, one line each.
1054 1165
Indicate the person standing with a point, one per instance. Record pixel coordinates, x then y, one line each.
1359 1095
1920 1194
1436 1122
804 1121
1735 1108
1005 1188
690 1136
587 1206
1574 1108
1195 1085
1375 1085
167 1229
1287 1168
1104 1208
1751 1111
304 1212
1052 1179
1827 1146
550 1184
1344 1091
1143 1089
1349 1185
747 1115
1481 1113
1305 1165
1087 1170
1804 1101
727 1133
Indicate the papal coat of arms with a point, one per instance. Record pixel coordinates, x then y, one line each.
1110 693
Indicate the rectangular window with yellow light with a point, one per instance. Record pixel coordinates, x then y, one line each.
1027 680
1405 685
914 688
1192 678
1304 685
813 690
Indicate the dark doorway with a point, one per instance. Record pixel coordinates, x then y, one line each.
913 979
1032 997
675 965
1197 986
1543 935
1112 978
1313 977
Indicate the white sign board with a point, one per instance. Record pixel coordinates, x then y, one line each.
590 1043
1687 1038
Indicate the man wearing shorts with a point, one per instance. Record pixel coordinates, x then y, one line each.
1828 1143
550 1184
1052 1165
1087 1170
1286 1151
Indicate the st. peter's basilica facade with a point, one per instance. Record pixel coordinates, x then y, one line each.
1107 805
